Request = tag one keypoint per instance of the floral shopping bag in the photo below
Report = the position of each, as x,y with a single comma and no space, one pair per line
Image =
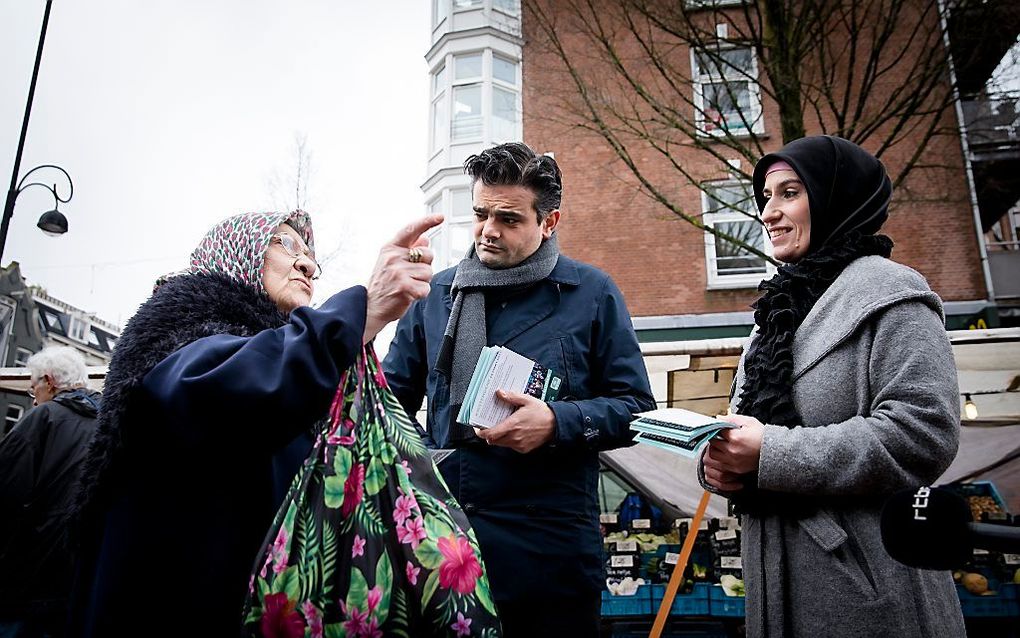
369,541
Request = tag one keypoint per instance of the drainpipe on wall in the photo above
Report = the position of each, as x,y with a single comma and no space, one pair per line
965,146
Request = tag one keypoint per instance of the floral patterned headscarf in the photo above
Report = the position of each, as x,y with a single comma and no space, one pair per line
237,246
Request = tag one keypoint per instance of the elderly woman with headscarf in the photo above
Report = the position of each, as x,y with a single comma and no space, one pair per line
846,393
218,372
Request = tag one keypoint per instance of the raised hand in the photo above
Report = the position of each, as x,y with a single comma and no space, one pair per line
402,274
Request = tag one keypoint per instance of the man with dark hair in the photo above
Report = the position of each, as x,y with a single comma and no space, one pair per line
529,483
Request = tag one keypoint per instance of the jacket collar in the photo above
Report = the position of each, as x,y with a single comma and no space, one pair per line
865,288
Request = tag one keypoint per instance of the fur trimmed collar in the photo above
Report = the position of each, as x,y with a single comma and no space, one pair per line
184,309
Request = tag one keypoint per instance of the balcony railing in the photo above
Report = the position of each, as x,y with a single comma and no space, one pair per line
993,123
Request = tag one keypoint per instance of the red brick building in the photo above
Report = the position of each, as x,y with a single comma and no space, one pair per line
680,282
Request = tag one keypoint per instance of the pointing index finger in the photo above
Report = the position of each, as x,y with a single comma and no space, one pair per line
409,235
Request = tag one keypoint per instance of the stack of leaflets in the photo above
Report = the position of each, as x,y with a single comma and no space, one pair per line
500,368
677,430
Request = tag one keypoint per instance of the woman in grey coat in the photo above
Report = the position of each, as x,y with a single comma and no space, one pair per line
846,393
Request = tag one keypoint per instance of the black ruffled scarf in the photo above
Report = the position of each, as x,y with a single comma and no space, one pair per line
789,296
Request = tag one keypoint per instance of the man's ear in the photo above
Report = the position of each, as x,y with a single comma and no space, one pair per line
550,222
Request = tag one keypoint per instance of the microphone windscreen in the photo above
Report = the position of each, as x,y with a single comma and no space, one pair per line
927,528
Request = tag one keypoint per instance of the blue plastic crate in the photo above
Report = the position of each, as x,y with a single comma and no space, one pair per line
722,605
692,604
637,605
1002,605
673,629
978,488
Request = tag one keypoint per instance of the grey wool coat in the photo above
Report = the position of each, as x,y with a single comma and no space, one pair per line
875,385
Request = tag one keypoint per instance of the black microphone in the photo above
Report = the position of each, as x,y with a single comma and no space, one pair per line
932,528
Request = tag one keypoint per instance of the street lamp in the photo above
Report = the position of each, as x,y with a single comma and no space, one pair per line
54,221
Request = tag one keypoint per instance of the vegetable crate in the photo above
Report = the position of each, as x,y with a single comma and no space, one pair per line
672,630
722,605
692,604
978,489
1002,604
640,604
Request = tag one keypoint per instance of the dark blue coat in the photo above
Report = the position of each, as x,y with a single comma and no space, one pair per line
206,433
536,514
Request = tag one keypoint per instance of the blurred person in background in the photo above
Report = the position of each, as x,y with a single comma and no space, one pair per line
40,460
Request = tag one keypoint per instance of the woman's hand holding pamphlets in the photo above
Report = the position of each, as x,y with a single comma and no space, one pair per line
677,430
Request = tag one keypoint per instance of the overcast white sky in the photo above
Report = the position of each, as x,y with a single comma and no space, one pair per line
173,114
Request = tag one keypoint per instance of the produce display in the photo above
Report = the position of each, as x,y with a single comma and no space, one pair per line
641,554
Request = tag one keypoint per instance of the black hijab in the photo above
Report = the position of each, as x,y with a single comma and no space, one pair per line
848,194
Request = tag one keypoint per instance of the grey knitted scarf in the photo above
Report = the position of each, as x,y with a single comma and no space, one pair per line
465,334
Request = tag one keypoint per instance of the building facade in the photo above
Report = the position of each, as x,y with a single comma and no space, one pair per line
31,320
680,283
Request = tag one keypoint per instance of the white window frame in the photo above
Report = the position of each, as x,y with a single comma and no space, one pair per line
78,328
699,79
715,280
440,96
514,88
474,6
440,12
512,13
8,422
21,356
474,80
712,4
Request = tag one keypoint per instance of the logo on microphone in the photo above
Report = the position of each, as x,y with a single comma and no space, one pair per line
921,503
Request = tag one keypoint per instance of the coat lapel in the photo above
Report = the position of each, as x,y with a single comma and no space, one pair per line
860,292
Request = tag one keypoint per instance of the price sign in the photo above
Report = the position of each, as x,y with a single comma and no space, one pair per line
641,523
609,519
626,546
622,561
726,534
671,558
730,562
1011,559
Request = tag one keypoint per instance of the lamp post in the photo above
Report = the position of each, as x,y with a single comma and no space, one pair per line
53,221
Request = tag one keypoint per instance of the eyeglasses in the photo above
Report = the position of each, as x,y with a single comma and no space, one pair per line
297,251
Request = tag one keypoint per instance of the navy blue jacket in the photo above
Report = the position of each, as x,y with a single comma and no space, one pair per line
198,486
536,514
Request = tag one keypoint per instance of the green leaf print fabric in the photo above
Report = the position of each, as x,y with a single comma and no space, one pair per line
369,541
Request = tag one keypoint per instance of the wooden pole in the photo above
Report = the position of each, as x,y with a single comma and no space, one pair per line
678,571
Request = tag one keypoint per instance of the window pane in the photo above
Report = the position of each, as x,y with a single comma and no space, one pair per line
725,63
439,81
467,112
468,66
513,7
736,60
436,206
724,102
733,260
439,120
461,203
504,70
466,4
504,115
460,240
439,11
730,198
